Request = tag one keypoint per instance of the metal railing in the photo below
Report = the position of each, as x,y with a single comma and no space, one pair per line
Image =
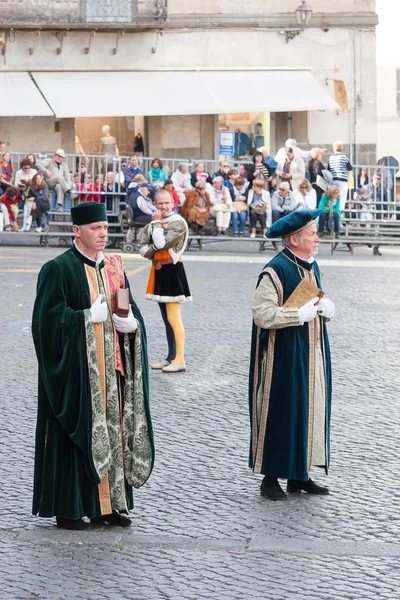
365,202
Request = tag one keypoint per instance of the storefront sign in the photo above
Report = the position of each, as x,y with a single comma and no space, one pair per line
227,143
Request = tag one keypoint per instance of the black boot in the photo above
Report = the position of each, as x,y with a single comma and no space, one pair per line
271,489
113,519
72,524
307,486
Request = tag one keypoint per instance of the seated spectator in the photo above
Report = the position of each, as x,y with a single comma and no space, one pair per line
181,181
132,169
239,206
378,197
84,187
362,177
9,207
259,171
157,174
244,171
169,186
329,206
82,172
268,160
200,174
141,204
110,189
95,190
25,172
259,204
26,201
120,176
41,204
6,172
75,186
221,202
306,196
32,158
57,176
283,201
232,176
222,171
195,209
290,170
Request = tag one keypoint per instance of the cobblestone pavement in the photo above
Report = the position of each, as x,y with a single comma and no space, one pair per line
201,529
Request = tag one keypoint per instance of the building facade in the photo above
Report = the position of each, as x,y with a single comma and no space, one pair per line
176,73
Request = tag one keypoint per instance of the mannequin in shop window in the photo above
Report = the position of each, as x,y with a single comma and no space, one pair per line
108,147
138,145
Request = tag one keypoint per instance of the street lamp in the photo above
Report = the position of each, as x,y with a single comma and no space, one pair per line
303,14
303,18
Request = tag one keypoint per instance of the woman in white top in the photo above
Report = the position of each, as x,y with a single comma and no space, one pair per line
221,202
306,196
26,172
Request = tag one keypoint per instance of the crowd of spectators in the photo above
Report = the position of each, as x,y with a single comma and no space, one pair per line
257,193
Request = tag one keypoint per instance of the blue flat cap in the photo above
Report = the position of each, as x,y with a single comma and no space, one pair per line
292,223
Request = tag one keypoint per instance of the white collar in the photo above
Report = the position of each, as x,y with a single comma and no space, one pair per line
99,255
309,260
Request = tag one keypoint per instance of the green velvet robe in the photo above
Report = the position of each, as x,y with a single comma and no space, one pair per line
67,472
283,380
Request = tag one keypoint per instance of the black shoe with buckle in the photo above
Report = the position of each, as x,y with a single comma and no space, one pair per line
309,486
271,489
114,518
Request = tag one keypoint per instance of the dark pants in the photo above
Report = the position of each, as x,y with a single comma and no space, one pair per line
254,217
42,207
324,221
169,331
278,215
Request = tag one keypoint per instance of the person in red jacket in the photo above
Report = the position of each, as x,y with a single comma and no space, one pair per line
98,186
168,185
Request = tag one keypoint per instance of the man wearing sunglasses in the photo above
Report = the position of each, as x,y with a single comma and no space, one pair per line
223,170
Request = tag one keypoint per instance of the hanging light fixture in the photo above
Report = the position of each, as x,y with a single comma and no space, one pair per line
303,14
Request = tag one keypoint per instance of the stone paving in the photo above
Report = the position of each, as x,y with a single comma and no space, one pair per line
201,529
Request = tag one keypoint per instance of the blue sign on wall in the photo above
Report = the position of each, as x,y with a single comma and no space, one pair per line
227,143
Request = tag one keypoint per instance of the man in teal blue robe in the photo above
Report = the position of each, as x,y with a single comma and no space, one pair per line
290,372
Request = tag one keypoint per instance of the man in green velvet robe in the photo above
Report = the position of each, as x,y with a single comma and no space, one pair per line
290,370
94,436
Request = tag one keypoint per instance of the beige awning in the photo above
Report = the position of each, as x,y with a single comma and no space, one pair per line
98,94
20,97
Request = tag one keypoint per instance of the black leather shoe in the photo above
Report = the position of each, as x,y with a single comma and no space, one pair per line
307,486
113,519
72,524
271,489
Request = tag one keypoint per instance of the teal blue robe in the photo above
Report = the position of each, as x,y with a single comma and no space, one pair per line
281,430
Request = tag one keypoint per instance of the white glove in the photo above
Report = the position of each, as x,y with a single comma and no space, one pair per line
308,311
99,310
125,325
326,308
